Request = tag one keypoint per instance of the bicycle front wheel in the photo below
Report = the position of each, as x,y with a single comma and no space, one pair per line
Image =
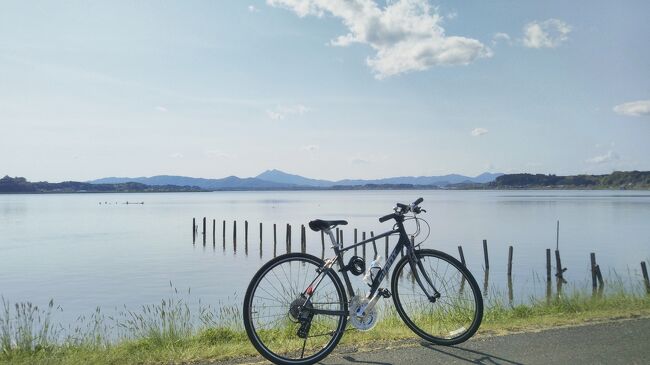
455,316
275,315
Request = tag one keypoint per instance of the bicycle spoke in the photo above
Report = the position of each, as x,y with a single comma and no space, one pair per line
276,324
453,313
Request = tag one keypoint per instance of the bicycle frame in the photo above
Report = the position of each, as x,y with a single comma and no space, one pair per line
339,250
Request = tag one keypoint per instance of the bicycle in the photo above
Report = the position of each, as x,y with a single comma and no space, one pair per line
296,308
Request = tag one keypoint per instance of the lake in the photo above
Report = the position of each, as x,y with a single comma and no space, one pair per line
89,250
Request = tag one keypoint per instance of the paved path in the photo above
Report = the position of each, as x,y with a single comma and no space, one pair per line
620,342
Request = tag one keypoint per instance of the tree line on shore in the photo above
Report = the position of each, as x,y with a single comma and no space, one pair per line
21,185
615,180
639,180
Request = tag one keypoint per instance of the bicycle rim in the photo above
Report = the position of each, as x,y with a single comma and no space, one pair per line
270,315
452,318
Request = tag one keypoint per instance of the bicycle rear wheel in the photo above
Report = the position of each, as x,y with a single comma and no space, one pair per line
274,318
451,319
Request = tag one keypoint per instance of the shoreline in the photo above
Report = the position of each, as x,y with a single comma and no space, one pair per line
418,188
220,344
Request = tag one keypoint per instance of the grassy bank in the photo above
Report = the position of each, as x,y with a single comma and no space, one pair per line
162,333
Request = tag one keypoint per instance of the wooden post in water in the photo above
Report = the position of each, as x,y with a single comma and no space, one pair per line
261,238
224,235
275,240
193,230
462,256
485,255
558,263
599,275
646,280
486,276
246,237
338,236
560,270
510,291
386,248
246,232
234,235
322,240
462,261
355,241
548,265
288,244
374,245
510,261
303,239
204,230
341,238
594,283
363,238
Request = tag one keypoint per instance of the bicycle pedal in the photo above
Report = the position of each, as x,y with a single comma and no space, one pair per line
384,293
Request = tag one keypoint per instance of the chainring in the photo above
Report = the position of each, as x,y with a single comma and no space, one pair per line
362,323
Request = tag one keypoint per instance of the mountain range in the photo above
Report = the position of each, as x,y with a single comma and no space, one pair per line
276,179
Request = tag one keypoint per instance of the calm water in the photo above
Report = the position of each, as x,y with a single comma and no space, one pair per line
86,254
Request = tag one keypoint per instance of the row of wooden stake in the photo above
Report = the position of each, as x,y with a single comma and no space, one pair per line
596,274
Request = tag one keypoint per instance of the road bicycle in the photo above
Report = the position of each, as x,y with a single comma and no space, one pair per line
296,308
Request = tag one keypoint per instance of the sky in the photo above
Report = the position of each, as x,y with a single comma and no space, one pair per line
325,89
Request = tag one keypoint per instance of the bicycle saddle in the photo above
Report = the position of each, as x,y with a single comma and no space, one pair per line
319,224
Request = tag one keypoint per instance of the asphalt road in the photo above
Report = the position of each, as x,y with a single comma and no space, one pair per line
619,342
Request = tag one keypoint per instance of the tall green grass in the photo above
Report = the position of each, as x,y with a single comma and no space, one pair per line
173,331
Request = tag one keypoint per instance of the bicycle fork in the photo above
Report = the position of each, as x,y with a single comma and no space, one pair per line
416,264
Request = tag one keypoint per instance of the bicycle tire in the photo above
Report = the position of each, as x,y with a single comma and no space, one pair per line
275,344
451,319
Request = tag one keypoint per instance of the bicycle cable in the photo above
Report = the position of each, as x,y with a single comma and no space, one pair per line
418,228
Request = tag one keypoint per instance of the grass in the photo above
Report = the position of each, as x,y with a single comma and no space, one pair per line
165,333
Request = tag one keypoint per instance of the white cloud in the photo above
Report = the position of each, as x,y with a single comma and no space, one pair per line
176,155
478,132
406,34
281,112
547,34
253,9
610,156
162,109
634,108
501,37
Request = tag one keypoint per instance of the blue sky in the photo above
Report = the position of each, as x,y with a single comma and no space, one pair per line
326,89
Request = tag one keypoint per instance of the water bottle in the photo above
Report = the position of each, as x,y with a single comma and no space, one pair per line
373,271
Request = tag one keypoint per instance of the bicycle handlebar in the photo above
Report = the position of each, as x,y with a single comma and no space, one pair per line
387,217
403,209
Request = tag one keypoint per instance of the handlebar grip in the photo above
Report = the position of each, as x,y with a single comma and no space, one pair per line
386,217
420,200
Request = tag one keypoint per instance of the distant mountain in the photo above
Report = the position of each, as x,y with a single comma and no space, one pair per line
487,177
441,181
230,182
276,179
281,177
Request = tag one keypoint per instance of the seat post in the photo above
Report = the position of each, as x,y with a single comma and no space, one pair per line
331,235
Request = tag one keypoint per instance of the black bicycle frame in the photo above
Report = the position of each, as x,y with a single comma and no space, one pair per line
403,241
